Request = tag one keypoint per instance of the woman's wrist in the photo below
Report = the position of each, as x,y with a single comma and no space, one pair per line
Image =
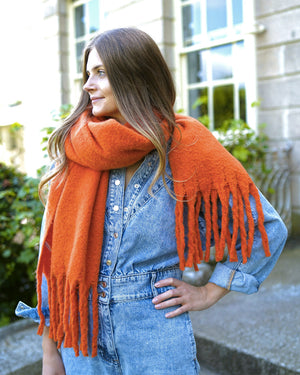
48,345
214,293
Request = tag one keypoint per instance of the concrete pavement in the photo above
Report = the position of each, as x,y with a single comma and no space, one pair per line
257,334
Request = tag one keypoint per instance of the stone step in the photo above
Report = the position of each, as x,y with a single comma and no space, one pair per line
256,334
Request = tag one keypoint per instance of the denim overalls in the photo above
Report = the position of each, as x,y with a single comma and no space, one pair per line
139,248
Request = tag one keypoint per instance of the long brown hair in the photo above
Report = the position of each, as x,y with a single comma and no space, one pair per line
142,86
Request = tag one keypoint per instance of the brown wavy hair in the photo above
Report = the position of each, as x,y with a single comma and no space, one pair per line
143,88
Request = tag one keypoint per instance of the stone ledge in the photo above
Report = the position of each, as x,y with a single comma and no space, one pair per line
232,361
20,349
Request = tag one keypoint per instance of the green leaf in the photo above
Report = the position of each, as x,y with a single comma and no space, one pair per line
6,253
256,103
26,256
241,153
33,242
201,100
15,127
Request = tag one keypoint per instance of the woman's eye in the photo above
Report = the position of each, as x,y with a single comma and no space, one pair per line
101,73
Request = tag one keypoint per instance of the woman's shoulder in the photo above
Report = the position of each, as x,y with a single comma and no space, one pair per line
192,126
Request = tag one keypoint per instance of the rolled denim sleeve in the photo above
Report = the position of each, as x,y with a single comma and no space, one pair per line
247,277
25,311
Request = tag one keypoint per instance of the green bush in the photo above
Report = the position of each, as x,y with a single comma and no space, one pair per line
244,143
20,221
248,146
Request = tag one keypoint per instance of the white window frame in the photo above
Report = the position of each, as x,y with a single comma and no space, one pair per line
247,34
75,77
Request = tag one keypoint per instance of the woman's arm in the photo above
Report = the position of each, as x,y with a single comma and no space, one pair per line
52,362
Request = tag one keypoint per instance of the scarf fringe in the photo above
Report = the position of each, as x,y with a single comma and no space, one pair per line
69,319
243,224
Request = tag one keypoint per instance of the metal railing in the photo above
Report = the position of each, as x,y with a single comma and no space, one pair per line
276,184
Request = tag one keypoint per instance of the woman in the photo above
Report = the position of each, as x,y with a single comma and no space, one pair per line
137,194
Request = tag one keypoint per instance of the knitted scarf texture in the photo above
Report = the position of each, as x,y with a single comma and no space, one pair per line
204,174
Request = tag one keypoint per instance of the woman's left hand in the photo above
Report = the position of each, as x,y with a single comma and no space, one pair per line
191,298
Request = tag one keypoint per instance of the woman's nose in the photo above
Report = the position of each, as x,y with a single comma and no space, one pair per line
88,86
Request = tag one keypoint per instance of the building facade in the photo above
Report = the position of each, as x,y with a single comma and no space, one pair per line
224,55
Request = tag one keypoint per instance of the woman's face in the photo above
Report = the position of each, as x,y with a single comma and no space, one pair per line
99,89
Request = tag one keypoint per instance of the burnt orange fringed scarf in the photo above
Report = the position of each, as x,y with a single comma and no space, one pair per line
203,171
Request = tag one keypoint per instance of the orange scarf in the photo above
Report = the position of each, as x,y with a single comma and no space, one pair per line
203,171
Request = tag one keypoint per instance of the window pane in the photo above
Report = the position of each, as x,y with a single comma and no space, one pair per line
242,99
223,105
237,6
198,104
216,14
94,16
191,19
79,21
240,62
197,66
79,49
221,58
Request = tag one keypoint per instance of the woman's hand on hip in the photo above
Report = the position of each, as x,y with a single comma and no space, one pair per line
191,298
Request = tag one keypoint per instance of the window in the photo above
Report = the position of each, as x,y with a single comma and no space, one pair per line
213,58
85,22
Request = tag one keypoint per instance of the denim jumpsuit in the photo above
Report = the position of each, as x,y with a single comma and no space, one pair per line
139,248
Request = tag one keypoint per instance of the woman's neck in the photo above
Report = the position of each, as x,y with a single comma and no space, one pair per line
130,171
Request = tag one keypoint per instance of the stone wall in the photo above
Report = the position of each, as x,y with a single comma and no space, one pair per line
278,69
56,52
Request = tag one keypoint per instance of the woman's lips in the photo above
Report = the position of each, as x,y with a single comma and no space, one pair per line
94,99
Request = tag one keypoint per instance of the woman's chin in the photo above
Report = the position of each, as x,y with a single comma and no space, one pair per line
97,113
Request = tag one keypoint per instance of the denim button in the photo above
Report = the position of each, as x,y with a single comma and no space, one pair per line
116,208
102,294
116,235
103,284
125,209
117,182
136,186
108,262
